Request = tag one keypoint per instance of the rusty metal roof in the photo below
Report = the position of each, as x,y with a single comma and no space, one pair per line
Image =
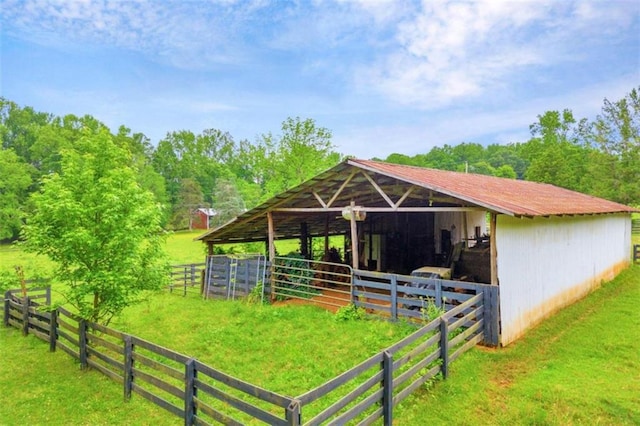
362,181
508,196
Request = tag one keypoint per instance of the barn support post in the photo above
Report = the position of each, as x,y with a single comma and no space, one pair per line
494,249
210,248
355,256
272,252
326,234
304,240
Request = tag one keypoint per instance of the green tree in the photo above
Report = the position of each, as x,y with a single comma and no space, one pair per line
189,200
100,227
555,153
302,151
615,169
227,201
15,179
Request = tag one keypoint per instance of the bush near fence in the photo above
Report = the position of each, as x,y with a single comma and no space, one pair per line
200,394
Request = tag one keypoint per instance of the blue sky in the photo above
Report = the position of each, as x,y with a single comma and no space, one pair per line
383,76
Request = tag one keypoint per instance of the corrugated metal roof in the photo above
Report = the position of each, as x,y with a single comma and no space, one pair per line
350,181
508,196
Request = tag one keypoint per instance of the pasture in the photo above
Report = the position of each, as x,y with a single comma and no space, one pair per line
578,367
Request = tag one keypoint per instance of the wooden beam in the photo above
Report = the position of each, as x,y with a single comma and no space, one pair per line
404,197
344,184
379,209
494,249
322,203
377,187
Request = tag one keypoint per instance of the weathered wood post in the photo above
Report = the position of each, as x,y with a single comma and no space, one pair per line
82,343
387,388
48,295
293,413
444,345
190,391
25,315
128,367
394,297
7,306
53,330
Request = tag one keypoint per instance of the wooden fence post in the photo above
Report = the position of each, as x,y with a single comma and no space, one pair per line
48,295
82,343
491,305
387,388
394,297
53,330
439,302
190,392
7,297
444,347
193,274
25,315
293,413
128,367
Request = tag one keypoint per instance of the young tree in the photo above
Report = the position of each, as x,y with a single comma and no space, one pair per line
100,227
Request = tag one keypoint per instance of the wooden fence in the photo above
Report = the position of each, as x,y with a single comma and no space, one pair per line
200,394
635,226
186,277
234,276
395,296
636,253
180,384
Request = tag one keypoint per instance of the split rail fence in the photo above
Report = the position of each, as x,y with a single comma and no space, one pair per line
200,394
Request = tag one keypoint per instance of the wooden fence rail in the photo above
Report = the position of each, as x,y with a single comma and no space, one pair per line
187,277
200,394
183,386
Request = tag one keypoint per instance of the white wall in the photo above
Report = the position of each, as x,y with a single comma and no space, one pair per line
545,264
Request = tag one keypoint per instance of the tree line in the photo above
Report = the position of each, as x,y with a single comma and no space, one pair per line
185,171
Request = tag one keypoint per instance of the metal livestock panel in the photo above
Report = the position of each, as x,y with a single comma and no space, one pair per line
546,263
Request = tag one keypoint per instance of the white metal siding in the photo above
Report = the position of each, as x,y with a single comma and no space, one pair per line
545,264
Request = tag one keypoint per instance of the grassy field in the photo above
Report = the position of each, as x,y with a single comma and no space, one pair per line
579,367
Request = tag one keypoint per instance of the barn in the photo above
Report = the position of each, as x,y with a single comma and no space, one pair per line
543,246
202,218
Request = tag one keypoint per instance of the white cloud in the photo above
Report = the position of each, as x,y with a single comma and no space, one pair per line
451,51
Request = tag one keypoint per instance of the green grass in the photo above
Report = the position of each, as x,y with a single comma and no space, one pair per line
579,367
43,388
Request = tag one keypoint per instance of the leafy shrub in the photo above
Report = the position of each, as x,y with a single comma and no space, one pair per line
350,312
